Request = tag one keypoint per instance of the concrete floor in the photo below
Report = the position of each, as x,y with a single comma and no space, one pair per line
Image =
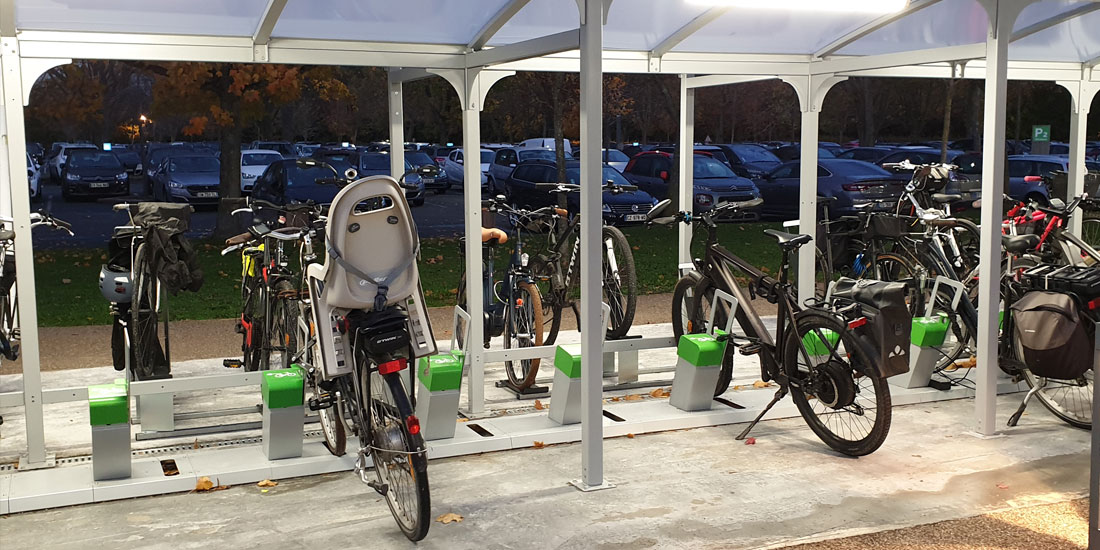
683,489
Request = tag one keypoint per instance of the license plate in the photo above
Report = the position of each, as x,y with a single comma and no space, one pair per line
207,195
634,218
97,184
429,180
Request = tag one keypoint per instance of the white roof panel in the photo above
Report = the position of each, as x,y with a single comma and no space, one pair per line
1076,40
202,17
771,32
414,21
948,23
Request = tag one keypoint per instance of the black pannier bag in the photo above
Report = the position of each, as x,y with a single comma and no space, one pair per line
1053,336
888,319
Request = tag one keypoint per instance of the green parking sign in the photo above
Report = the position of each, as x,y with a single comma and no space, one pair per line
1040,133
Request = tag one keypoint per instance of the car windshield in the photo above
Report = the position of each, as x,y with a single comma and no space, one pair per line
609,174
825,153
193,164
97,159
969,164
259,159
708,168
615,155
536,154
486,157
418,159
297,176
375,162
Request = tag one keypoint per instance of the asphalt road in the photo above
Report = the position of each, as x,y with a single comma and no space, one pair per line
93,220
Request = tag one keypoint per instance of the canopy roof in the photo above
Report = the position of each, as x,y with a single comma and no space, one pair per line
1058,30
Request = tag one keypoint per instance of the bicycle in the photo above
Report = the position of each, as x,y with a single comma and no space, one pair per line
558,269
359,341
846,380
513,306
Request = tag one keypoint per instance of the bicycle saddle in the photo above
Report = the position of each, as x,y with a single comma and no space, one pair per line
493,236
944,198
238,239
788,241
1018,244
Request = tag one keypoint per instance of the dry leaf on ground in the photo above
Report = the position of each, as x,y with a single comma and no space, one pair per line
738,388
267,483
196,444
750,441
616,399
538,444
630,436
538,405
760,384
1002,486
659,392
449,517
633,397
204,485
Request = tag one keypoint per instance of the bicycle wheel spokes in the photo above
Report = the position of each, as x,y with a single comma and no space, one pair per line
523,329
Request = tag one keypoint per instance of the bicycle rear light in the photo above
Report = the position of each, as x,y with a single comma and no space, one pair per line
856,323
390,367
413,424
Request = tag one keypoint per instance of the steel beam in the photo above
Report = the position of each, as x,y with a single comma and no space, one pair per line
274,9
536,47
696,82
873,26
900,59
471,190
685,164
502,17
397,127
687,30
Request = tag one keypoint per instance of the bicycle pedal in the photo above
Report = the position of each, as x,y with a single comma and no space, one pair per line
381,488
323,402
749,349
232,363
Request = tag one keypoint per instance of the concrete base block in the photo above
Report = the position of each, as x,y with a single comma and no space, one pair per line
922,361
608,364
628,366
565,399
111,452
693,387
437,411
156,412
283,432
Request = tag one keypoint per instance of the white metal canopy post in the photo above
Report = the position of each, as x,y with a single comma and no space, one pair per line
1002,16
471,190
397,127
686,165
16,179
1082,93
591,321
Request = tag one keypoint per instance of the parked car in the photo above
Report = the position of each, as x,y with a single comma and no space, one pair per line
253,163
59,153
615,159
793,151
866,154
284,148
749,160
129,158
37,153
33,178
93,173
505,160
851,182
304,149
544,143
453,167
285,182
190,178
438,183
378,164
922,155
618,208
714,182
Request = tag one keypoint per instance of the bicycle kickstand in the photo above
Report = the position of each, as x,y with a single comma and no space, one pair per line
779,394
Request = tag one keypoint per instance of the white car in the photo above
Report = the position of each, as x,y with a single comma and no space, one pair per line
59,153
453,167
253,164
33,176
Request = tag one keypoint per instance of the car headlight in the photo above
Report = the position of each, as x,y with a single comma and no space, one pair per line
703,200
72,177
122,177
174,184
606,207
137,166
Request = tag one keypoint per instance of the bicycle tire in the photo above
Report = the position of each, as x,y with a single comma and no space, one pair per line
703,297
522,373
395,450
460,327
682,304
821,275
553,301
253,294
147,344
282,333
836,384
332,425
620,286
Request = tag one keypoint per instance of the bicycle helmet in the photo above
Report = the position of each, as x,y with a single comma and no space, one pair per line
115,284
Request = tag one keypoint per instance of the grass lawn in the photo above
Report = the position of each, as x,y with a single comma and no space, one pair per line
68,280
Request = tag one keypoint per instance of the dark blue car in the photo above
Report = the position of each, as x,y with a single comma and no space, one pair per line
618,208
285,182
852,182
714,182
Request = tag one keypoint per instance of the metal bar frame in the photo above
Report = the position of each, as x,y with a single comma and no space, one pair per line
685,164
873,26
501,18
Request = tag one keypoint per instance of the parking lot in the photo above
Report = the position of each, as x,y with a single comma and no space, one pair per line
93,220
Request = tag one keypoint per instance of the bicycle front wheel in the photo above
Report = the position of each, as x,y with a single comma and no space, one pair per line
397,452
282,337
523,329
620,282
683,305
836,385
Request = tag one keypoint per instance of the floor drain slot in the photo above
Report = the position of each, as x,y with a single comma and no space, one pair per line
479,430
614,417
728,403
168,466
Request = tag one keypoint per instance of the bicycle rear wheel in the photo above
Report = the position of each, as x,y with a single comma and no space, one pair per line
620,282
683,305
149,341
253,295
523,329
397,451
1069,400
282,334
332,423
702,304
839,393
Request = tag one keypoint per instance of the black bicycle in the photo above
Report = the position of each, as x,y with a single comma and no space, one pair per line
840,389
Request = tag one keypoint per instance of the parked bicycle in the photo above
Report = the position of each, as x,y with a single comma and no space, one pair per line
558,269
513,306
840,389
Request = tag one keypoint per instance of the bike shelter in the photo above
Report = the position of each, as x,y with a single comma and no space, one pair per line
473,47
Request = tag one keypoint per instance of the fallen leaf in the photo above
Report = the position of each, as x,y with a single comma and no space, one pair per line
616,399
449,517
738,388
463,419
538,405
659,393
539,444
66,281
636,247
267,483
760,384
750,441
630,436
204,484
633,397
263,490
1002,486
196,444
